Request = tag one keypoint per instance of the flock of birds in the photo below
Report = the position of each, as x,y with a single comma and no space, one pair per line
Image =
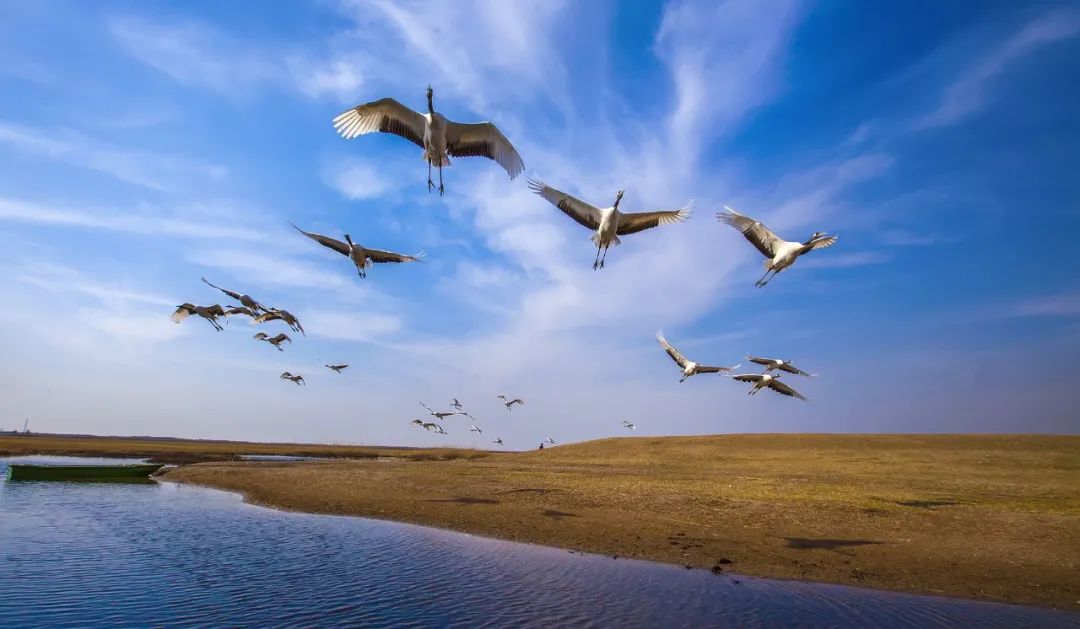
440,139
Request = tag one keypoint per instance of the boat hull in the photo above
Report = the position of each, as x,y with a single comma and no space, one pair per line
85,473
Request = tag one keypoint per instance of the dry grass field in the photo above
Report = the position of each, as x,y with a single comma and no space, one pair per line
992,517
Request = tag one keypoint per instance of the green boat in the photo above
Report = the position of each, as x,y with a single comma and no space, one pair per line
84,473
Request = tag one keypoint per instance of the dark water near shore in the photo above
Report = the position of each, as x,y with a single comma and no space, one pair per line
85,555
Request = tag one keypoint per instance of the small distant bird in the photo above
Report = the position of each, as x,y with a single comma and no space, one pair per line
429,426
456,404
689,367
298,379
362,257
509,403
337,368
776,363
440,415
476,429
276,341
629,425
608,223
210,313
762,380
498,442
276,314
240,310
438,137
246,300
549,440
780,254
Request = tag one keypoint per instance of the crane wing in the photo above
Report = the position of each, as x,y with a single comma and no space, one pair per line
822,243
758,235
586,215
640,221
671,351
706,369
483,139
385,115
228,292
326,241
747,377
795,370
784,389
183,311
267,316
377,255
759,360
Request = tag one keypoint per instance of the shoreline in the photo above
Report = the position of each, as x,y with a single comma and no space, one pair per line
247,501
1020,549
978,517
723,566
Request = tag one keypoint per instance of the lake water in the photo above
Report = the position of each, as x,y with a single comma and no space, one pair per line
93,555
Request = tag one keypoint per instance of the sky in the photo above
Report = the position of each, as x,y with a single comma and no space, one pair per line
144,145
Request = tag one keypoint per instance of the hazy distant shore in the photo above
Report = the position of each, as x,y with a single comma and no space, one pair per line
990,517
179,451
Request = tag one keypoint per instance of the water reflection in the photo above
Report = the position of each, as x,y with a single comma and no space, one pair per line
168,555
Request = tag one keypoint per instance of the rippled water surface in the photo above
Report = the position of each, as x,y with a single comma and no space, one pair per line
85,555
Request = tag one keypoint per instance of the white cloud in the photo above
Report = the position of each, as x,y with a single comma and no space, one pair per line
57,278
272,268
725,59
907,238
357,179
337,78
87,314
968,93
837,260
350,326
1062,304
468,50
148,222
196,54
484,275
144,168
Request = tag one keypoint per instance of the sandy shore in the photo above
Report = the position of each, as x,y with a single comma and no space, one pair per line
988,517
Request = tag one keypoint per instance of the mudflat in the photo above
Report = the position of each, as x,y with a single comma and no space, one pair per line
167,450
989,517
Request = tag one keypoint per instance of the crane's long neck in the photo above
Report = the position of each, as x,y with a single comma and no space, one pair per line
430,104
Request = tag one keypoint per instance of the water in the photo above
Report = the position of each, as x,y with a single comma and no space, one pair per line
84,555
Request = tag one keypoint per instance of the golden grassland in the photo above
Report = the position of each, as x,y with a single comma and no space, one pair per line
992,517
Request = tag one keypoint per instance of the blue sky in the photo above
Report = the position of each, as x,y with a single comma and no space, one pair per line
145,144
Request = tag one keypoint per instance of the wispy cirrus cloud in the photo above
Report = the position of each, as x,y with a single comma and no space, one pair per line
62,279
350,325
838,260
151,169
271,268
196,54
725,60
1061,304
108,313
969,92
493,43
136,221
